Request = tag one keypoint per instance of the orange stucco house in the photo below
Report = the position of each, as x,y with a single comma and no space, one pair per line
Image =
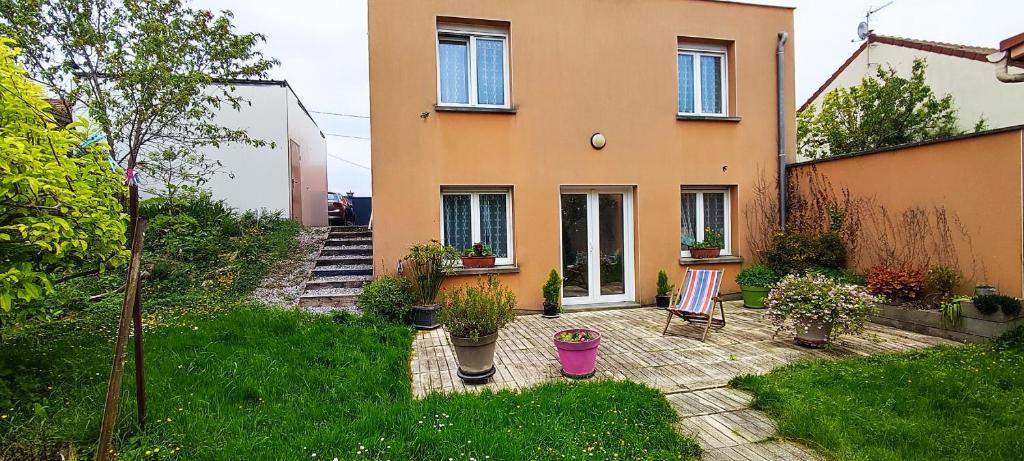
597,138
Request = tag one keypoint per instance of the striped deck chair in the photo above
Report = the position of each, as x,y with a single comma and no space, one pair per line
696,298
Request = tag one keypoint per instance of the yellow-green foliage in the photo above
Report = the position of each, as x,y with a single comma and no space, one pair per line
59,208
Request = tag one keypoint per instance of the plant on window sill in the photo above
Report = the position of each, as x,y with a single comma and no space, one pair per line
710,247
478,256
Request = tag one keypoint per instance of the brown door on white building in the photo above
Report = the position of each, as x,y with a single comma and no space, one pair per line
295,173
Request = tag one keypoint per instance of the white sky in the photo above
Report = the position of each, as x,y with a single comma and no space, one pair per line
323,52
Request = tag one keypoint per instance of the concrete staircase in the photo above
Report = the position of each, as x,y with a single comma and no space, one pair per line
344,265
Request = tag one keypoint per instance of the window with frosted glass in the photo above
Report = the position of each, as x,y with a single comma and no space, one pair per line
701,86
472,68
701,210
478,216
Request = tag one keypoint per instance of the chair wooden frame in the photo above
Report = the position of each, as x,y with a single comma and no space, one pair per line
708,320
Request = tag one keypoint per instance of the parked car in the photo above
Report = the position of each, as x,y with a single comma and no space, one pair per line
339,210
333,201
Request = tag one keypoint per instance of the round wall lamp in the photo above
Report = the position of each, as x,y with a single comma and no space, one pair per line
597,141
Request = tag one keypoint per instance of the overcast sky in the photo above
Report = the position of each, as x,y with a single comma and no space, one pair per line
322,49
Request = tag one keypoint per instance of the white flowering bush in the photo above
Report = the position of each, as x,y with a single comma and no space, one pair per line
813,298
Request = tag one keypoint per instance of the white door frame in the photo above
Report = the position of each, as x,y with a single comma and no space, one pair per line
594,241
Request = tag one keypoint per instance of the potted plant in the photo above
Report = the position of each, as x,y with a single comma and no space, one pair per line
473,316
710,247
428,264
821,309
755,282
577,351
478,256
664,290
552,295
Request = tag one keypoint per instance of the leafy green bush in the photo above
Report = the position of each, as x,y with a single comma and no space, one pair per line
796,253
387,297
990,304
941,281
756,276
840,275
475,311
664,288
830,251
553,289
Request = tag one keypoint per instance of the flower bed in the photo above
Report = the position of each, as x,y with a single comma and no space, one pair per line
973,326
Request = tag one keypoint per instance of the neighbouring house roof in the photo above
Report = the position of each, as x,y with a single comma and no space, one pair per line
974,53
1011,42
284,83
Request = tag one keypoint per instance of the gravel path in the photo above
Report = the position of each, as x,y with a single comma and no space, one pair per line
288,277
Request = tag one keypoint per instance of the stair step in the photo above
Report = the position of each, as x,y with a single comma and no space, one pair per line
339,281
334,260
363,250
349,234
334,297
343,269
361,242
348,228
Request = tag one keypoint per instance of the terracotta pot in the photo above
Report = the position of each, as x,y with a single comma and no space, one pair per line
578,359
425,317
661,301
705,253
551,310
476,262
475,356
812,333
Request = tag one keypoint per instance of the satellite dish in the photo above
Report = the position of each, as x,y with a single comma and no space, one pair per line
863,31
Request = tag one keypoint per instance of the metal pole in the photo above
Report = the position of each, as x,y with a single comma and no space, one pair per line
780,84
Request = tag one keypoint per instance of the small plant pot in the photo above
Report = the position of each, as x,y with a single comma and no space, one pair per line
661,301
476,358
812,333
477,262
578,360
425,317
753,297
705,253
551,311
982,290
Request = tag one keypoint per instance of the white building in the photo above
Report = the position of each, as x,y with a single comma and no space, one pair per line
959,70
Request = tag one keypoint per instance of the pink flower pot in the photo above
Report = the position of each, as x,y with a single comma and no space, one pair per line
578,359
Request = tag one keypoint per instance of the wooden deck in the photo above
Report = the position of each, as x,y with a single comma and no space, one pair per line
692,374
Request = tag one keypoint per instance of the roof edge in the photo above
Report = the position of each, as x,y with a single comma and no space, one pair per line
268,82
958,137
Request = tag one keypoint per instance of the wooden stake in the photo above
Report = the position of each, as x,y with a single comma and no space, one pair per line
140,372
104,451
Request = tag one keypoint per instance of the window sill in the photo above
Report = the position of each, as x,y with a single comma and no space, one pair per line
707,118
684,261
490,110
487,270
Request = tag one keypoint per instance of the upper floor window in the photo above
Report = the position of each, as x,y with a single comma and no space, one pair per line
478,215
702,80
472,66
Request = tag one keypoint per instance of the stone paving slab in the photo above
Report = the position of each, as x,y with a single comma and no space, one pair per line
692,374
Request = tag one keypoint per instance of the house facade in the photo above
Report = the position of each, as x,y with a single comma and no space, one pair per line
598,139
959,70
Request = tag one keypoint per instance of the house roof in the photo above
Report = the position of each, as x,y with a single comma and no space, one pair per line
283,83
974,53
1011,42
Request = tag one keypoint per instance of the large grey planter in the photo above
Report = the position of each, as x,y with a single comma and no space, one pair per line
476,358
972,327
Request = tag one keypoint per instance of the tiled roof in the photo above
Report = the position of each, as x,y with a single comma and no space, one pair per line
976,53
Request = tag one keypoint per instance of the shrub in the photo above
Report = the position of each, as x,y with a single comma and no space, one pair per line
386,297
830,251
475,311
553,289
841,275
664,288
756,276
816,298
941,281
429,263
898,283
790,253
990,304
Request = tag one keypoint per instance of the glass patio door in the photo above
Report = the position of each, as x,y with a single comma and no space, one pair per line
597,246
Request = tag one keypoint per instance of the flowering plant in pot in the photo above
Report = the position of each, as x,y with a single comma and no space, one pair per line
478,255
473,316
577,351
820,308
755,282
710,247
428,264
552,295
664,289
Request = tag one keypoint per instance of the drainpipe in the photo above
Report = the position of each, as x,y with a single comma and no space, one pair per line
779,74
1003,68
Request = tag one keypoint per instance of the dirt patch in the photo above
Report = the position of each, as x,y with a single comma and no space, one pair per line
288,276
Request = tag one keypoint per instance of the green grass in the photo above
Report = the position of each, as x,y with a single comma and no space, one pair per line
964,402
257,383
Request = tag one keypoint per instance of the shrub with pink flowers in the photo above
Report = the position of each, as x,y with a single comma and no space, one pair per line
799,300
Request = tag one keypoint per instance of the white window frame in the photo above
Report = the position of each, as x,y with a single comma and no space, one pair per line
474,213
704,50
470,35
699,210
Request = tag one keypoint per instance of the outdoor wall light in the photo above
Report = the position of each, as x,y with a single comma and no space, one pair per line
597,141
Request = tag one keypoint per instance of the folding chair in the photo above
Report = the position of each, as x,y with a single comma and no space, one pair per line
696,298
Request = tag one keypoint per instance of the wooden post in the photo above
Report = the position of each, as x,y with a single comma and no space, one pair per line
140,372
110,406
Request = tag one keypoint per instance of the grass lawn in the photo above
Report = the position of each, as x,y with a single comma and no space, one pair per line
964,402
257,383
